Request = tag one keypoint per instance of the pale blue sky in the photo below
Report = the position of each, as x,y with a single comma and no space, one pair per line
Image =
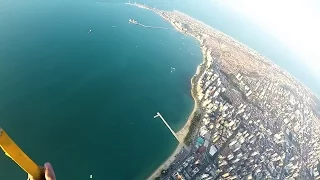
294,22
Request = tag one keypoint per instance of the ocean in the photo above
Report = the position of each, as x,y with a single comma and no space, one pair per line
85,101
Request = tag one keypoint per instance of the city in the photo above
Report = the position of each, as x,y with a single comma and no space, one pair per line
253,120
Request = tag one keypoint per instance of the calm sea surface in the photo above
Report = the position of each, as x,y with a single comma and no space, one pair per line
85,102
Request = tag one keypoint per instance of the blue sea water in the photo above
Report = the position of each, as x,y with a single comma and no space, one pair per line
85,102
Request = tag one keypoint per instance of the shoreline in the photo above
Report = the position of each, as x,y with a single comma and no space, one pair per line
167,163
227,56
255,53
182,133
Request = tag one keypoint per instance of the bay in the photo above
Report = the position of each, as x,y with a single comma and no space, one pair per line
85,102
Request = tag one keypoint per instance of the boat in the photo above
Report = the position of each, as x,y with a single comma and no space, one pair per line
90,31
133,21
172,69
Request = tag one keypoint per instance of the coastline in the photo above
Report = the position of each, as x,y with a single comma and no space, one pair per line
225,56
260,57
167,163
182,133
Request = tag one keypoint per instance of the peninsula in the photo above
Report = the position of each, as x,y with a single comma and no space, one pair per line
252,120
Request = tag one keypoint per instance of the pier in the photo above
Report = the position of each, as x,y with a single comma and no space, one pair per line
138,5
132,21
165,122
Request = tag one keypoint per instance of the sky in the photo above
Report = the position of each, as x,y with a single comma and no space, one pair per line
296,23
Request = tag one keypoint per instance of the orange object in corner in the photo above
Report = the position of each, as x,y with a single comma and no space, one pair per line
17,155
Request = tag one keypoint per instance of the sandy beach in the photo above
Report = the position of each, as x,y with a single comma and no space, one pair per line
182,133
167,163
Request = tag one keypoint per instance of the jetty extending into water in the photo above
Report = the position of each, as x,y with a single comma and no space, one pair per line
138,5
165,122
132,21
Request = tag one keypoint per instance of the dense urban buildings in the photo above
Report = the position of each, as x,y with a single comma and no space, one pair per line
254,120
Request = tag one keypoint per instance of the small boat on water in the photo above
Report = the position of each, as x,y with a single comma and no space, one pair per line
90,31
172,69
133,21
